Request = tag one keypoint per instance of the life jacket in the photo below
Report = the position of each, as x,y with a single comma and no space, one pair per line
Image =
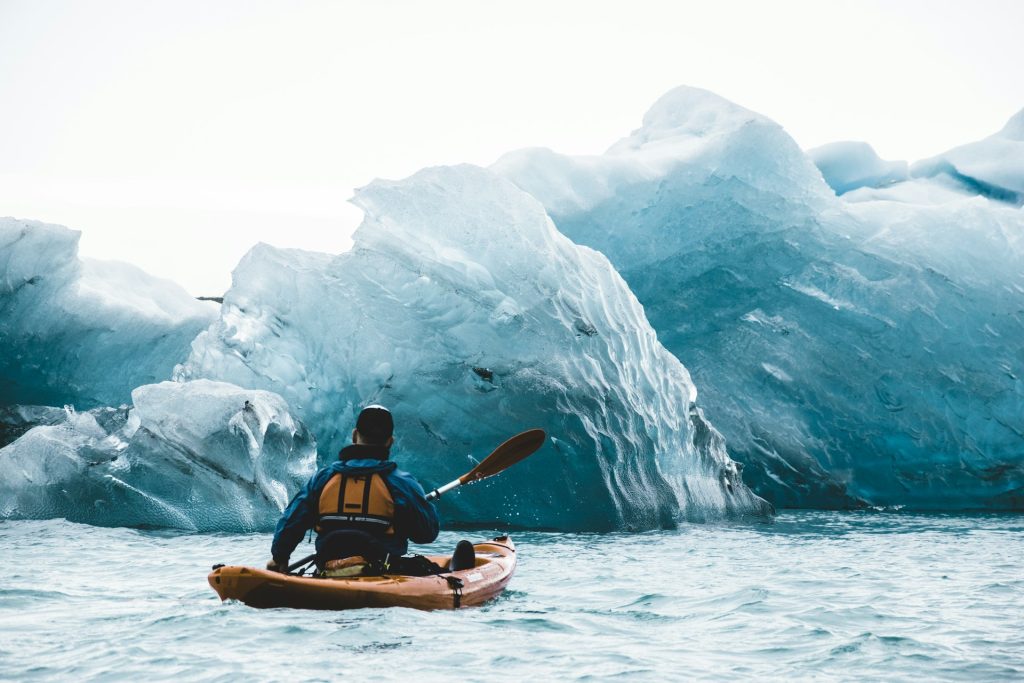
357,501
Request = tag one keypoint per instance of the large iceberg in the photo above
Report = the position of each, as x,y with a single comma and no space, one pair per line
851,353
463,309
80,331
198,455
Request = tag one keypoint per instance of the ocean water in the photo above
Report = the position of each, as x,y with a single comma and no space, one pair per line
812,595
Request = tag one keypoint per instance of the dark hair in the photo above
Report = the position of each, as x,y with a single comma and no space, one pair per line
375,424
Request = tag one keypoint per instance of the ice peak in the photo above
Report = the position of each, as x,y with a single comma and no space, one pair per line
688,112
696,111
1014,128
402,220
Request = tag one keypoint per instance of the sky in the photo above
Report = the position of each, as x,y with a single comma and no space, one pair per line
177,134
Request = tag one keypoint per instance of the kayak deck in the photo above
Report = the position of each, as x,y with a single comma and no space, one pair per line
495,563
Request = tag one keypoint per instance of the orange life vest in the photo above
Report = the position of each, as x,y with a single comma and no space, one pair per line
357,501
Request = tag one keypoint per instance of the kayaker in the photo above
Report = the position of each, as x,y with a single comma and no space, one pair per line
360,505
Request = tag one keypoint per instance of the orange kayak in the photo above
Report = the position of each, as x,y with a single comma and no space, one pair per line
495,563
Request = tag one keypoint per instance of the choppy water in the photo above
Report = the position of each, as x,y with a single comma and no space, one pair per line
840,596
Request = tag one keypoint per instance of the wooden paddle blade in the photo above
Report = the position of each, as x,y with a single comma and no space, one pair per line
507,454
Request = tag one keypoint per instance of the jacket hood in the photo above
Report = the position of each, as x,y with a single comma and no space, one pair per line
362,466
359,451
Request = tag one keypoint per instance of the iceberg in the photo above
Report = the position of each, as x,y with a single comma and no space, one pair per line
80,331
856,332
852,353
463,309
850,165
201,456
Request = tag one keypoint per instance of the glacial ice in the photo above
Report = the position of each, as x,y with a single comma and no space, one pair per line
199,455
462,309
849,165
851,352
855,350
84,332
993,167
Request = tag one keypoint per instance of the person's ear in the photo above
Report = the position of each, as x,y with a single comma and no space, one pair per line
355,436
391,440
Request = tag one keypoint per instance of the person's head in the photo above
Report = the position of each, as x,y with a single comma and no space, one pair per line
375,427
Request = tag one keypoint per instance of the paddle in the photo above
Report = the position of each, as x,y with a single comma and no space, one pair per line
504,456
519,447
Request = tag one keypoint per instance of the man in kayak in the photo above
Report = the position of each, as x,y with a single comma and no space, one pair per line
360,505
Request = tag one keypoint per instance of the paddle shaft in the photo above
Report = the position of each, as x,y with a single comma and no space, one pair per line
306,560
441,490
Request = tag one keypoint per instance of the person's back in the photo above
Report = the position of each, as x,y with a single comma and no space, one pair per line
360,505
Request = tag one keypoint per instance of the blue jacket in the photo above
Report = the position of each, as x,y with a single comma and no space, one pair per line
415,518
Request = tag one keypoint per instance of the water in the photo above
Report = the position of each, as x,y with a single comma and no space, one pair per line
829,596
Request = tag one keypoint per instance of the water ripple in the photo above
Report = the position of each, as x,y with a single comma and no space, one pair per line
815,595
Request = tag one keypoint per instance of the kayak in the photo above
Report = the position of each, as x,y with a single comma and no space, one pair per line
495,563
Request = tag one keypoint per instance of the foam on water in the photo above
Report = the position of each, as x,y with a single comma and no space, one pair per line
825,595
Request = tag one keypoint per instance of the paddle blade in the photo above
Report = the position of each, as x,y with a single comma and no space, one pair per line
507,454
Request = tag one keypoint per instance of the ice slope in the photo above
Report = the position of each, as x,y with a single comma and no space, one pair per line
850,353
199,455
849,165
462,309
84,332
701,170
993,167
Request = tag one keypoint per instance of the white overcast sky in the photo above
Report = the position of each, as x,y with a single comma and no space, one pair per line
176,134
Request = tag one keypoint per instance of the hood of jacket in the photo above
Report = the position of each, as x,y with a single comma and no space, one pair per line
362,459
